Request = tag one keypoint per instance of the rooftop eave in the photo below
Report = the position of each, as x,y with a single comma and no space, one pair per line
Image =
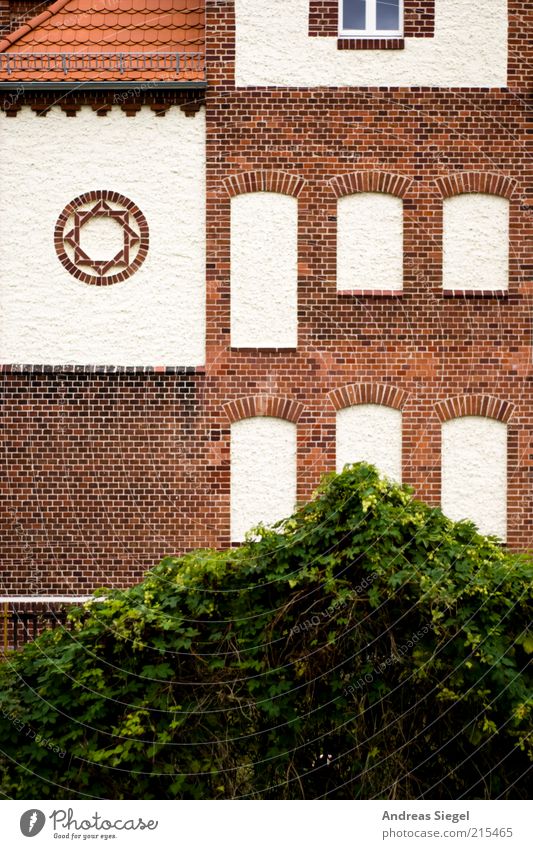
103,85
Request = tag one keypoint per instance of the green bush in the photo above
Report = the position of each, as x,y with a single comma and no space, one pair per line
367,647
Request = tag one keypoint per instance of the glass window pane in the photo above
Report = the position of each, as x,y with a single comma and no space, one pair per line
388,14
354,14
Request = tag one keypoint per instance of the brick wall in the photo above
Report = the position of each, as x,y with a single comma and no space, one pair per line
104,474
420,343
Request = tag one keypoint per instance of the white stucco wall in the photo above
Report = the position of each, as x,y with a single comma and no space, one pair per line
475,242
264,270
101,237
469,49
157,316
263,473
369,241
474,472
370,433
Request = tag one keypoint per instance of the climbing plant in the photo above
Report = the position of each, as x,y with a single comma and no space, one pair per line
366,647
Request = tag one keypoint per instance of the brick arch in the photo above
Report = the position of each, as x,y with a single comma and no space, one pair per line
263,405
368,393
482,182
280,182
370,181
487,406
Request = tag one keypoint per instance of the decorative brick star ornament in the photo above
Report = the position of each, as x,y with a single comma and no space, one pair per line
91,206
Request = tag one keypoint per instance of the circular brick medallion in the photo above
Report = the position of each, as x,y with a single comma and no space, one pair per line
126,251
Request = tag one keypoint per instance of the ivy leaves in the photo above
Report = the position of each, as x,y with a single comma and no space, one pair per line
338,649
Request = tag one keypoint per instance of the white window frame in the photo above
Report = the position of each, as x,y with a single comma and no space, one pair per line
370,30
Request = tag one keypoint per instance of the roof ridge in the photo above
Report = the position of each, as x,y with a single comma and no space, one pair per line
33,23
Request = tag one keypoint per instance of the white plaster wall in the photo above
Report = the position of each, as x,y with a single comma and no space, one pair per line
369,241
263,473
474,472
469,49
371,433
157,316
475,242
264,270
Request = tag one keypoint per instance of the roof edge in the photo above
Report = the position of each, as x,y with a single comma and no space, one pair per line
8,40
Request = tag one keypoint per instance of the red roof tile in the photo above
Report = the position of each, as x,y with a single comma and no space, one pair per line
77,40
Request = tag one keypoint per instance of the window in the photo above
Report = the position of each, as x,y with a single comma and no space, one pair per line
475,242
371,17
263,472
474,472
370,242
371,433
264,271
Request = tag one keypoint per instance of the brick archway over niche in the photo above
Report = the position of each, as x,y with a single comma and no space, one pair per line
280,182
368,393
487,406
263,405
467,182
370,181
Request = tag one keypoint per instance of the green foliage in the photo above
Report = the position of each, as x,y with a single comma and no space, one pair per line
367,647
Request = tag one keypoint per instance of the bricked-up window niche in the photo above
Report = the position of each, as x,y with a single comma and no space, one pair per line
371,433
475,250
474,472
264,270
370,243
369,18
263,472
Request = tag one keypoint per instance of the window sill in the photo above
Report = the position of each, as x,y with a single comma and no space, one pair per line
475,293
356,43
371,293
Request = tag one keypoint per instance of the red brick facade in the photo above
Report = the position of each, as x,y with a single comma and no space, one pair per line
106,473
